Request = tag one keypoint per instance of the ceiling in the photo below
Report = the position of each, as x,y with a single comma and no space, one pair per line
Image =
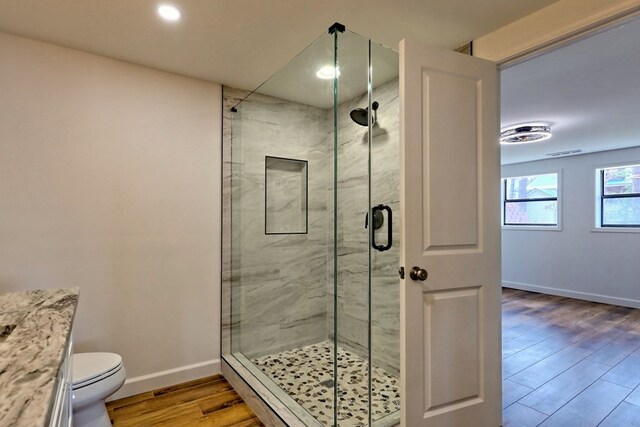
589,91
242,42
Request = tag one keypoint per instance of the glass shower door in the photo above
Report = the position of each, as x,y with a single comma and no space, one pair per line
366,287
385,255
351,283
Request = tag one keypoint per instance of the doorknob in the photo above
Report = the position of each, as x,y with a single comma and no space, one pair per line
417,273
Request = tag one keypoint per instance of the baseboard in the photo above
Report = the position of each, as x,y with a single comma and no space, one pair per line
604,299
141,384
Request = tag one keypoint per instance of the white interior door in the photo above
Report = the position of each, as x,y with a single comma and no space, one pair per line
450,322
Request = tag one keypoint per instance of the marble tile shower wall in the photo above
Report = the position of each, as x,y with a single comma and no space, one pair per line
352,309
283,284
279,281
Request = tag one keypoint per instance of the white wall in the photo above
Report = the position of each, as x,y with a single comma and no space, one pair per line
110,181
576,261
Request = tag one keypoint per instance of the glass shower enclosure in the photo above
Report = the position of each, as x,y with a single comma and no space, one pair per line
310,235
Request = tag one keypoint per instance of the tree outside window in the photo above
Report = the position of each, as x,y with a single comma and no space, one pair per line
531,200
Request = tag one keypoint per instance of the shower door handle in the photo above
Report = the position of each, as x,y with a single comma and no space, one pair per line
386,247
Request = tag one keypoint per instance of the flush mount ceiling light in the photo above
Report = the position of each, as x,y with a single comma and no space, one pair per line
169,12
328,72
525,133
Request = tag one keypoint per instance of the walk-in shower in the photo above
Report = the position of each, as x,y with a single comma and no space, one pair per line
310,285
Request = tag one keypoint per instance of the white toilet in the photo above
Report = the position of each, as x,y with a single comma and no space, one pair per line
96,376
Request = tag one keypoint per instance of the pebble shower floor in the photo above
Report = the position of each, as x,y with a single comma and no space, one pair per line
306,374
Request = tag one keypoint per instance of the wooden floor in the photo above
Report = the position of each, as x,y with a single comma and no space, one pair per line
568,362
206,402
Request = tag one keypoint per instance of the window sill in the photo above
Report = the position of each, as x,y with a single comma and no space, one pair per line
615,230
532,228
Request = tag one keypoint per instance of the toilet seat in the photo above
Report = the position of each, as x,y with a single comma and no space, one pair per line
95,376
90,368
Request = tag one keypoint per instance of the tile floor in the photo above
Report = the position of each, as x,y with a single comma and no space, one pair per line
312,384
568,362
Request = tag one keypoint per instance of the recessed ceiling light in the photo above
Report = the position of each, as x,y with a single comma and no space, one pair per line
525,133
169,12
328,72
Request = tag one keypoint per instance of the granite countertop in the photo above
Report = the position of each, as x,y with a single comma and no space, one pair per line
35,327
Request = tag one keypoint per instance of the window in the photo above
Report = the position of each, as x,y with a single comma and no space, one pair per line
531,200
619,196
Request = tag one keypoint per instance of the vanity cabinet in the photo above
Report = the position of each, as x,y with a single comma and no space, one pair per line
62,413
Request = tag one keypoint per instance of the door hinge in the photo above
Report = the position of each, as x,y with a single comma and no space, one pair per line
401,272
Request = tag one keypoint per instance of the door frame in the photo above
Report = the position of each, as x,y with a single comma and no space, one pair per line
565,22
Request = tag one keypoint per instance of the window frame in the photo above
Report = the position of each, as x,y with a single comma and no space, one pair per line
601,196
532,226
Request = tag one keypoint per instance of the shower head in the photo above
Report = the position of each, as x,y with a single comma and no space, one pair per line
359,115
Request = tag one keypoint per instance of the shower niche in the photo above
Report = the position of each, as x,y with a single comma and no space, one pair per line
311,308
285,196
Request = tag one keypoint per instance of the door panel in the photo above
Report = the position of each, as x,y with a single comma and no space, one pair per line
451,313
450,323
450,196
